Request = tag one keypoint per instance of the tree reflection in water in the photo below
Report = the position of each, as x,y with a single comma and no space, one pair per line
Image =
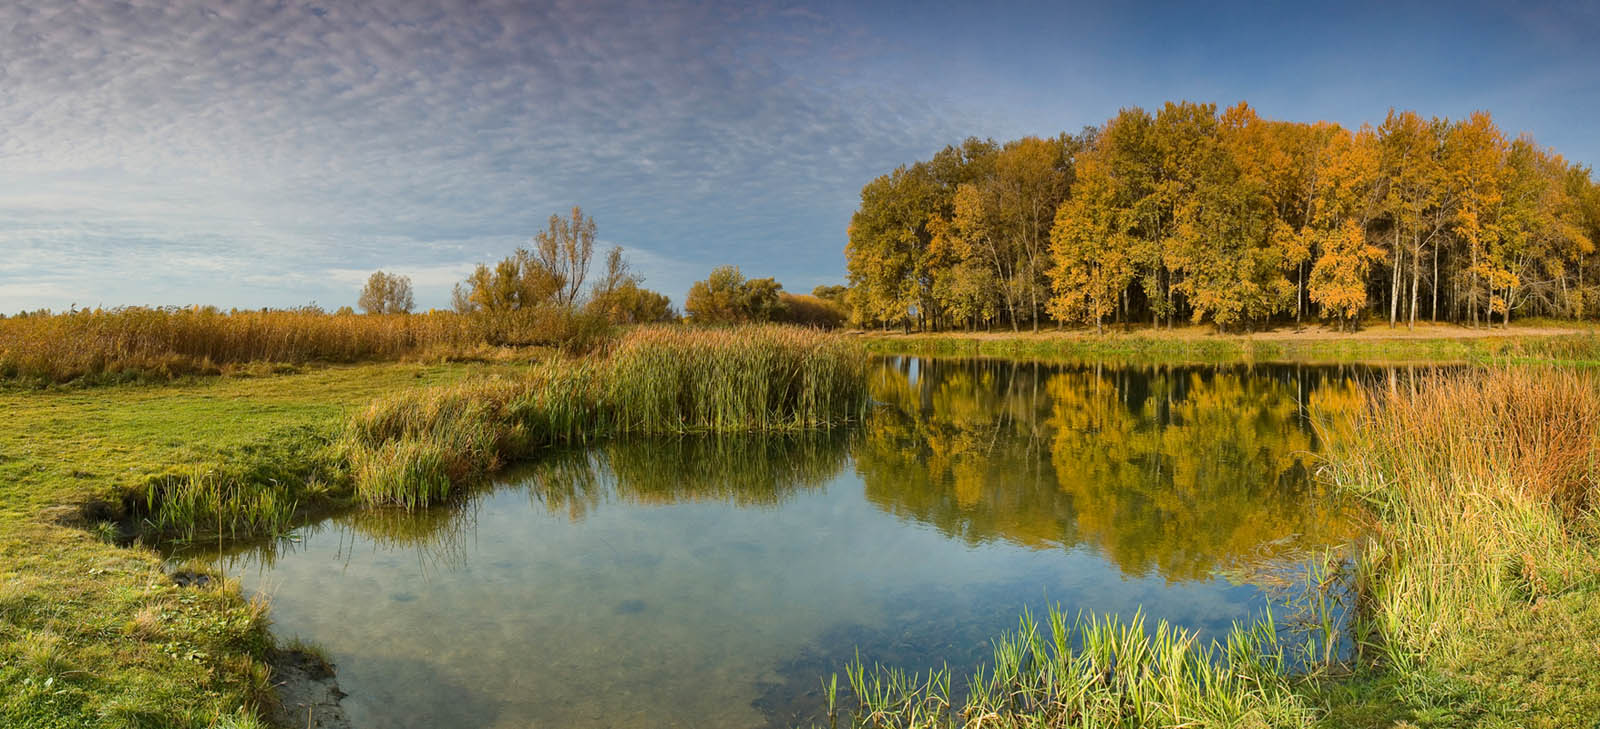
1177,471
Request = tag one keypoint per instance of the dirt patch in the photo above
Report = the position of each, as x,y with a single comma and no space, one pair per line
308,692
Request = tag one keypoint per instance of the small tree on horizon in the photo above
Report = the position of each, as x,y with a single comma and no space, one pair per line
726,297
386,293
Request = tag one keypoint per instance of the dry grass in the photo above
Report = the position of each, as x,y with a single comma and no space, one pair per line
1483,486
160,343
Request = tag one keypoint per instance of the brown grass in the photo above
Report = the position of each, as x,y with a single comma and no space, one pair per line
160,343
1540,427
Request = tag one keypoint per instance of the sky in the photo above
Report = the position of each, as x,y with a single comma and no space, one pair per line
273,153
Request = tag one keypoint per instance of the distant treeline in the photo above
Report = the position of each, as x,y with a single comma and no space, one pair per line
539,296
1229,219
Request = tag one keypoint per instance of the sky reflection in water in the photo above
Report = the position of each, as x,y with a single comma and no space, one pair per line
712,582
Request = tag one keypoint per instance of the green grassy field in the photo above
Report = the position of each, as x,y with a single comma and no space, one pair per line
95,635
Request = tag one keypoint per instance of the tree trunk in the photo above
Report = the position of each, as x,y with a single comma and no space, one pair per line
1416,278
1299,289
1472,294
1434,308
1394,282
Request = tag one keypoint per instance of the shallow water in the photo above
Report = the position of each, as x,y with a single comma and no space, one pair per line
713,582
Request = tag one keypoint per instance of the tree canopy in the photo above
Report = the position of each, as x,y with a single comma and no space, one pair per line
1228,218
386,293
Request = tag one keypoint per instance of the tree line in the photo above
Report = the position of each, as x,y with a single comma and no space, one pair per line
548,279
1232,219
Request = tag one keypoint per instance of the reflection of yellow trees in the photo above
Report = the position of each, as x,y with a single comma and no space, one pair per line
1180,471
963,448
1203,469
743,470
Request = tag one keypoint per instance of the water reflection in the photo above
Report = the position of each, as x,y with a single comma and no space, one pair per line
741,469
711,581
1173,471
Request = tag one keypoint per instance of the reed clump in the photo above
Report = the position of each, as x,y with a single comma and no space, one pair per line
134,343
1483,488
1092,672
750,378
413,447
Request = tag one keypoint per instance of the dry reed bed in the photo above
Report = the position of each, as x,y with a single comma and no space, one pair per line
137,342
1483,489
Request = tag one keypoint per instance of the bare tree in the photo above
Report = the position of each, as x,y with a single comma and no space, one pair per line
564,249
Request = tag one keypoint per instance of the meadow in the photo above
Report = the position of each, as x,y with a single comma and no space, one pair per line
1531,341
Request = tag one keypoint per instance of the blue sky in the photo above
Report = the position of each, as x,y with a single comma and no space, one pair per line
259,153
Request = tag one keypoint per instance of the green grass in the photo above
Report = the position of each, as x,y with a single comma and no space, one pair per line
95,635
1480,583
1094,672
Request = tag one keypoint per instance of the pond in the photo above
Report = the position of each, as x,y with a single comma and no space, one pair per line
713,582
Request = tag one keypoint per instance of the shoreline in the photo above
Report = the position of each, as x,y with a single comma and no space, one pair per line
1436,344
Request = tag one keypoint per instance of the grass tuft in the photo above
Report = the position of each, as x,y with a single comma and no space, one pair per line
412,448
1096,671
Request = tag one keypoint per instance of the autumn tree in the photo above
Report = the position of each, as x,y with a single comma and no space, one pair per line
563,249
1475,151
520,281
888,237
1090,245
618,296
1341,211
386,293
726,297
1231,219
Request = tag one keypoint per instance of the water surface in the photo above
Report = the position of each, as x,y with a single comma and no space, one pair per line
711,582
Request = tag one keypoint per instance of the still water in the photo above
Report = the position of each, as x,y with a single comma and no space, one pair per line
712,582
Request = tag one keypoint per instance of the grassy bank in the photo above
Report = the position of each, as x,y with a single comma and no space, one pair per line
1476,591
95,635
1432,344
1480,584
416,447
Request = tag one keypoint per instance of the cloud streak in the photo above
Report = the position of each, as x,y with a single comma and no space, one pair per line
297,137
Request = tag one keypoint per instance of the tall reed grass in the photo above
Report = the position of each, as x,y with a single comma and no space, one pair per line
156,343
1483,488
413,448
